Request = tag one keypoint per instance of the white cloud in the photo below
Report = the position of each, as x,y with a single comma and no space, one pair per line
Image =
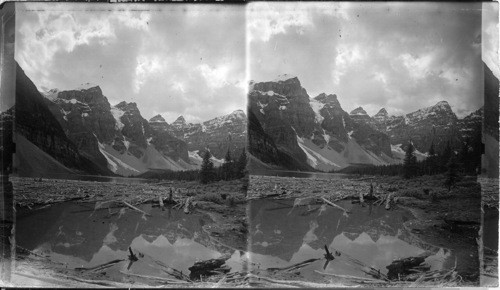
214,77
418,67
146,67
60,29
490,35
268,19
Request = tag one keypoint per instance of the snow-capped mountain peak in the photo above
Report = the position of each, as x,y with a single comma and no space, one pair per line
358,111
50,94
284,77
327,99
157,119
238,114
86,86
442,105
180,122
382,115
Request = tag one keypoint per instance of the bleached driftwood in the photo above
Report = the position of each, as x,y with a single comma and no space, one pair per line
135,208
334,205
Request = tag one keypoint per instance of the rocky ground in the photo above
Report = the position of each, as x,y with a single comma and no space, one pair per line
224,202
442,218
449,219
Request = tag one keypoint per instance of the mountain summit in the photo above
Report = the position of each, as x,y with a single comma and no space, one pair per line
317,132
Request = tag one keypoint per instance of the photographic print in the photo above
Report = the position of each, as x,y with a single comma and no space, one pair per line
265,144
130,132
365,141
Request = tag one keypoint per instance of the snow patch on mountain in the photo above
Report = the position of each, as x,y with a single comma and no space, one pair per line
86,86
326,137
314,158
397,149
283,77
51,94
317,106
127,164
126,143
399,153
115,164
262,106
223,120
194,155
117,114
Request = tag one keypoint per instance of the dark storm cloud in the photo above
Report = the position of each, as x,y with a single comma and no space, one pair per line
401,56
170,59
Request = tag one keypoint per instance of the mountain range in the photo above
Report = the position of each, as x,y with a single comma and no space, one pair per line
289,129
81,132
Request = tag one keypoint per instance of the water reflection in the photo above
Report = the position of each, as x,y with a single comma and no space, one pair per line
79,235
299,174
99,178
283,235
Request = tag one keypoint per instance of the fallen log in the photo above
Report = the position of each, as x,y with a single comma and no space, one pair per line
289,283
207,268
94,282
403,266
100,267
294,266
160,199
135,208
352,277
186,205
388,202
334,205
161,279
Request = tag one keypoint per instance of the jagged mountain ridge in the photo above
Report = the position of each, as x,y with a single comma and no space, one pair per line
35,122
317,131
331,138
219,134
121,139
115,136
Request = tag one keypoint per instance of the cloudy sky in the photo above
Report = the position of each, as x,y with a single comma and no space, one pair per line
169,59
401,56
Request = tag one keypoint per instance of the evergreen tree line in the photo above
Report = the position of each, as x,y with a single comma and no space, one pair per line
464,161
229,170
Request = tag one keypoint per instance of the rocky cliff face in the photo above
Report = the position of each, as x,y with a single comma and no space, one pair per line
491,103
436,124
84,116
317,132
220,134
320,133
117,137
34,121
262,147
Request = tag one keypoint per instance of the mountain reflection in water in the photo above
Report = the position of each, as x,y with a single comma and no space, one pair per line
282,235
76,235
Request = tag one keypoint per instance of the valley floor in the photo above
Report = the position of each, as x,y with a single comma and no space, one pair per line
223,203
440,219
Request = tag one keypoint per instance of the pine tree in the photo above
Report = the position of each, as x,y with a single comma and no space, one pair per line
452,172
410,162
445,156
207,171
432,152
227,167
430,161
242,164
